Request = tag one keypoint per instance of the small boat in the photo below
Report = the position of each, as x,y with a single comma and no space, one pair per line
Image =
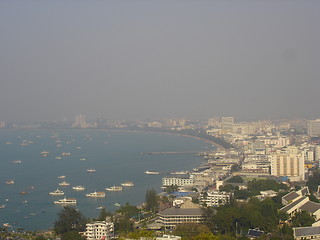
65,154
101,207
2,206
114,189
78,188
151,172
57,192
58,157
91,170
66,201
23,192
96,194
127,184
64,183
10,182
6,225
117,204
62,177
82,159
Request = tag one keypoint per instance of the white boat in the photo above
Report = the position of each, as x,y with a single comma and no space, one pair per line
114,189
17,161
117,204
65,154
82,159
96,194
100,207
57,192
2,206
61,177
91,170
64,183
78,188
127,184
151,172
58,157
66,201
10,182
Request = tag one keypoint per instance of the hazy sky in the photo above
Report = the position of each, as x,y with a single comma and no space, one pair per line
148,59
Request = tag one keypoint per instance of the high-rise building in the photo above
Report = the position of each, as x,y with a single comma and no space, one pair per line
227,123
288,163
313,127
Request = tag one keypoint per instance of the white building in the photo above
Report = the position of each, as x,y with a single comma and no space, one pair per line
288,162
216,198
178,181
314,128
99,230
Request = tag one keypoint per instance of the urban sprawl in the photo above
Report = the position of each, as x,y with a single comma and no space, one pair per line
261,182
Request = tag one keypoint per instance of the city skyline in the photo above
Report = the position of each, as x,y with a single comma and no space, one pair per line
159,59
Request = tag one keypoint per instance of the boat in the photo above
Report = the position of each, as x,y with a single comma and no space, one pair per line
100,207
58,157
96,194
2,206
23,192
65,154
57,192
127,184
61,176
91,170
17,161
117,204
114,189
78,188
10,182
82,159
64,183
66,201
151,172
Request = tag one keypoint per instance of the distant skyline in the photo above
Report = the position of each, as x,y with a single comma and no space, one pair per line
139,59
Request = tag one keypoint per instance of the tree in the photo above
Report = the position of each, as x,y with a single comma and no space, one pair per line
236,179
302,219
70,219
152,200
171,189
189,230
103,215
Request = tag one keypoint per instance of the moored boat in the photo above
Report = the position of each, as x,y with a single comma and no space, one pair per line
96,194
64,183
66,201
151,172
91,170
57,192
114,189
127,184
10,182
78,188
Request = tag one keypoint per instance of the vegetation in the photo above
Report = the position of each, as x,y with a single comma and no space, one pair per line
69,220
193,231
235,179
171,189
314,181
152,203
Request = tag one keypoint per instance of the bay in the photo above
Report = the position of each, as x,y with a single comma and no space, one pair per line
117,156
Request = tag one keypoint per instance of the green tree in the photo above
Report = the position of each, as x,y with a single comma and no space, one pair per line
69,219
137,234
302,219
171,189
235,179
314,181
189,230
103,215
152,203
205,236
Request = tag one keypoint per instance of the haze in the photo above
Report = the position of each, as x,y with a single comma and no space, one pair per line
140,59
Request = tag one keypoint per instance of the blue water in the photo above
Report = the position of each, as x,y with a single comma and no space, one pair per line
115,155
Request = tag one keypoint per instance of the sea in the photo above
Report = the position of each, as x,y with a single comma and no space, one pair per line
117,157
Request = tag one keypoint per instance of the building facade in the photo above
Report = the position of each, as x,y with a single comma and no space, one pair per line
313,127
216,198
178,181
99,230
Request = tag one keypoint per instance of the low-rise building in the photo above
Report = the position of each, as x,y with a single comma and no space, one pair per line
306,233
178,181
216,198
